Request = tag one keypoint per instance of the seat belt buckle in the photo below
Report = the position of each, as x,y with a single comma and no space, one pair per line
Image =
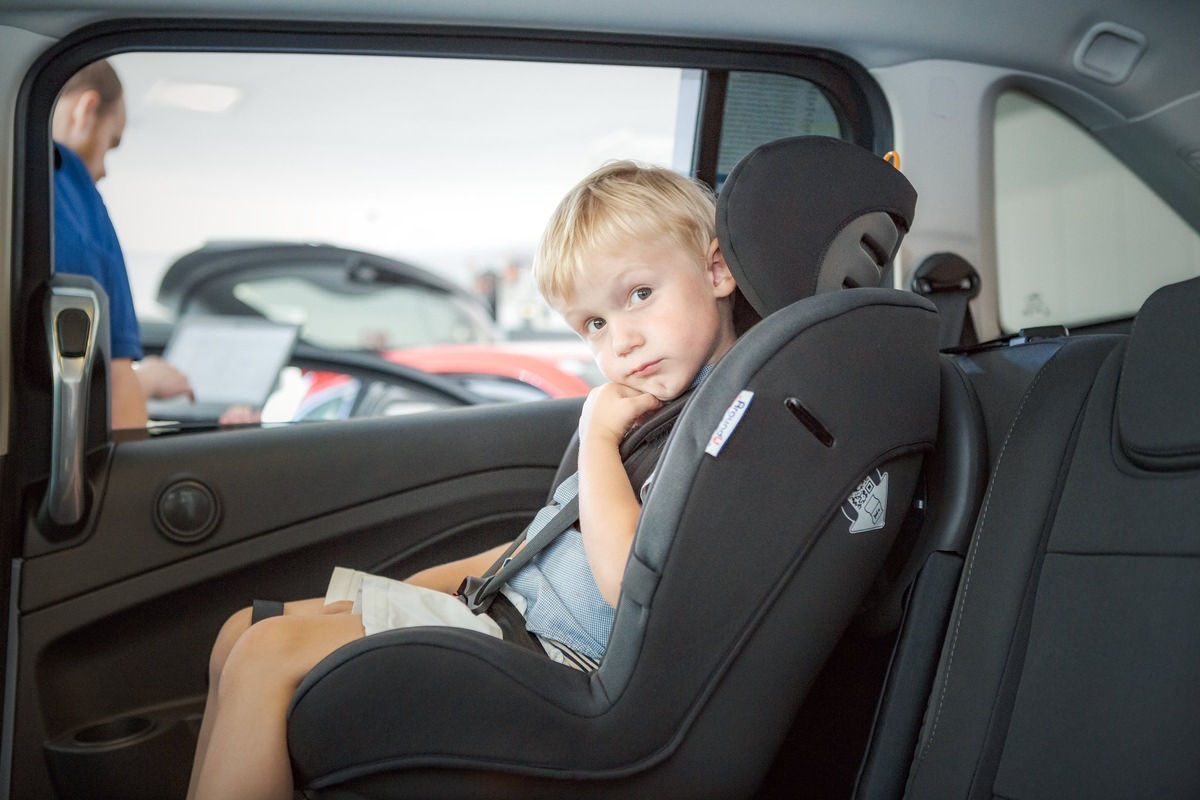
470,591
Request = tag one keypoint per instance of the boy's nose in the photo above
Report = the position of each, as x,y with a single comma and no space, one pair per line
625,339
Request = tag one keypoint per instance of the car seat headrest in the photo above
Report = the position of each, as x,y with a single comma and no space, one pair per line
1160,381
810,214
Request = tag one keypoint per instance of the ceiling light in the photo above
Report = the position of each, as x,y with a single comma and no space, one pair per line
204,97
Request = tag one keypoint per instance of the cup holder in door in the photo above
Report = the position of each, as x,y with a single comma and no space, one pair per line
132,757
113,733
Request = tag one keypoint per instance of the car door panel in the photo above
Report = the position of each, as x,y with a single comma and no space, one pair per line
267,480
115,624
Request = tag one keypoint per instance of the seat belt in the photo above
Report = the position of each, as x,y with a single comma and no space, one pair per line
951,283
479,592
640,451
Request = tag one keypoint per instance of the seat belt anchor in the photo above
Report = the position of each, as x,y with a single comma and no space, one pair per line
470,591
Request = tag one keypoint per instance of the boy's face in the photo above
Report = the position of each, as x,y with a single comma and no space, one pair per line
651,315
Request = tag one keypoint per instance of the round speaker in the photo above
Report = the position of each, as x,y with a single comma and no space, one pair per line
187,511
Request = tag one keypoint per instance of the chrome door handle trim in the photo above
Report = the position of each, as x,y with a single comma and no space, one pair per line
71,376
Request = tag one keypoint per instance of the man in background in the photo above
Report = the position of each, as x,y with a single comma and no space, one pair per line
88,121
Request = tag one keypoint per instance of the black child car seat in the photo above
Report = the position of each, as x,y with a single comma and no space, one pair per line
777,499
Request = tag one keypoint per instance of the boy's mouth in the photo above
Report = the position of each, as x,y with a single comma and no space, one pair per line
649,368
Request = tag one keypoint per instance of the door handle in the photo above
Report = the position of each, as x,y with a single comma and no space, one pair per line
72,330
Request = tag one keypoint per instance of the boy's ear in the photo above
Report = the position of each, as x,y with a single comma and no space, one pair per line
723,280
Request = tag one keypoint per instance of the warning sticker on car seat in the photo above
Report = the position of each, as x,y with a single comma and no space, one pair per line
733,415
867,505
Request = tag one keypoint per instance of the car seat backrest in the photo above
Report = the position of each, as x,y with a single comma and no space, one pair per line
810,214
1069,663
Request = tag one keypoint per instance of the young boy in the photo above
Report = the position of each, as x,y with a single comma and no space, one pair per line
630,260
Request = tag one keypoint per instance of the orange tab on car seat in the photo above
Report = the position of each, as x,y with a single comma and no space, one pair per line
893,158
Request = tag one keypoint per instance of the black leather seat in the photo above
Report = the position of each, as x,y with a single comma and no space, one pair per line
1069,665
746,566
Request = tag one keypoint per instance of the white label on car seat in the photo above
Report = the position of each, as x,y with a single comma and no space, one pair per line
867,505
733,415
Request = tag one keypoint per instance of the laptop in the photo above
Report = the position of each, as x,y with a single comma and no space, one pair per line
229,360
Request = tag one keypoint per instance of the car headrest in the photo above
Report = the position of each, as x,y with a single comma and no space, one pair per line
809,214
1160,381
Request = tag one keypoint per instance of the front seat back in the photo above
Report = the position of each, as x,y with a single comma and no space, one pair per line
776,501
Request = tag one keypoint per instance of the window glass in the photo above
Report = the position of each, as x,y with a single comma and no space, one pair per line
431,178
1080,238
452,165
437,174
382,318
762,107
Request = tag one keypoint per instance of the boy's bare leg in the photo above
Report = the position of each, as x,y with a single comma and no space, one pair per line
231,631
247,753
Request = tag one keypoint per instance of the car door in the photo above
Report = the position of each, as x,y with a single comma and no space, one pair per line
120,580
136,546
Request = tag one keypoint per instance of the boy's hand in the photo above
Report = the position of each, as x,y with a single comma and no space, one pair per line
612,410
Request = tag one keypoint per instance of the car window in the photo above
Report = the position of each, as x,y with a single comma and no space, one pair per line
385,203
762,107
1080,238
378,318
452,165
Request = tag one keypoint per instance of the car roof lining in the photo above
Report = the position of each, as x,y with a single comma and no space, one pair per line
1037,37
1157,102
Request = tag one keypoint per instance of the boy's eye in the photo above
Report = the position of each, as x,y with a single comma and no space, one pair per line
592,325
641,295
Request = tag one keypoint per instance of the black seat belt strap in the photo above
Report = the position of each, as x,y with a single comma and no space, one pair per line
478,592
951,283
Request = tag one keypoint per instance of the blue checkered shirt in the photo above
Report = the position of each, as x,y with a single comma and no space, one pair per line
564,602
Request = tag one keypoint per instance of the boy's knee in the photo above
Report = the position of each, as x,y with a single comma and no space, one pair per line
265,650
233,629
279,651
245,656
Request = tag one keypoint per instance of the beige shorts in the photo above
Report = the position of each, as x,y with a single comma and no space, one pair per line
387,604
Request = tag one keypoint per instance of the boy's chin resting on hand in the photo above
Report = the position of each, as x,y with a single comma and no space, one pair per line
612,410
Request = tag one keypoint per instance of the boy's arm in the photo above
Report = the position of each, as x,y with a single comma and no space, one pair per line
608,507
447,577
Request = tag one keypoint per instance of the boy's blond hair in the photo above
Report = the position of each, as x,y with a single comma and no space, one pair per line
620,202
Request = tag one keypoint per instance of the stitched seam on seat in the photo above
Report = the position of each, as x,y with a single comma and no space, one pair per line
976,540
1018,646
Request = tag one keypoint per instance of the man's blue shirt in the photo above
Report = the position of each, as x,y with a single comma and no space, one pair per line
85,243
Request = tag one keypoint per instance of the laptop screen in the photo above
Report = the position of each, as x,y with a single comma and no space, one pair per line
229,359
